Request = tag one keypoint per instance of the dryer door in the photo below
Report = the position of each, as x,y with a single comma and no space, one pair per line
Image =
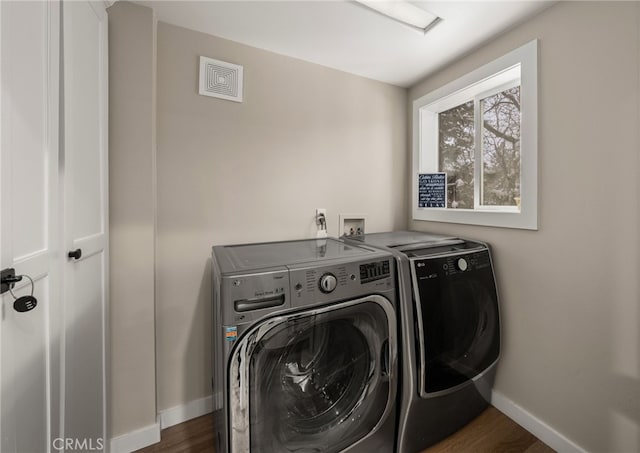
458,319
314,381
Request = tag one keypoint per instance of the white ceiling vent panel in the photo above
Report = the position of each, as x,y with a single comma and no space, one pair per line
220,79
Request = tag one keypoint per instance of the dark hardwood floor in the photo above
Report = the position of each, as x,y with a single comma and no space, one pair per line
491,432
189,437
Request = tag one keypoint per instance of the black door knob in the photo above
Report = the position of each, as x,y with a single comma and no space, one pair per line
75,254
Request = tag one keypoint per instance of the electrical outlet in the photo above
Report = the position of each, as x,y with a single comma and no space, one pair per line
321,212
321,222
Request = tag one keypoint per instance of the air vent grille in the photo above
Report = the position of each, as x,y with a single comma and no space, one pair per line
220,79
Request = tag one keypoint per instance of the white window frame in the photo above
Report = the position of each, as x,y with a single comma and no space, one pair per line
425,139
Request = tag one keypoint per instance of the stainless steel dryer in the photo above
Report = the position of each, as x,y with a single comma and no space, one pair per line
450,333
305,347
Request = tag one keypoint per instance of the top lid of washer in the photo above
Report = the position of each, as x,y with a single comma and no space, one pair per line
270,254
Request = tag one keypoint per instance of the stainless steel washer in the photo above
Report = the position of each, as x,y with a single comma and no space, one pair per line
305,347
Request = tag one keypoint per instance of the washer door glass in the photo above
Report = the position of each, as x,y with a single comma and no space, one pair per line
319,382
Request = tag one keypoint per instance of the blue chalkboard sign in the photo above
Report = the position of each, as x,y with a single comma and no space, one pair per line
432,190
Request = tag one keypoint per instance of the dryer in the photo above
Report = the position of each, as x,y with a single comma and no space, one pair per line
305,347
450,333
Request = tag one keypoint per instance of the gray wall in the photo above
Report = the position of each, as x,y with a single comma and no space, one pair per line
132,379
305,137
570,291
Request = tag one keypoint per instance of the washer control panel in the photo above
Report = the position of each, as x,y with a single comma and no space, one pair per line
374,271
340,281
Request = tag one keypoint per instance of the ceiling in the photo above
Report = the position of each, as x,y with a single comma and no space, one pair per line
350,37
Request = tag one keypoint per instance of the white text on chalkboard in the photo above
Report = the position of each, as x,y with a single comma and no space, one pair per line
432,190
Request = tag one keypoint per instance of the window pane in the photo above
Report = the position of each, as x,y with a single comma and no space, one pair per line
501,148
455,149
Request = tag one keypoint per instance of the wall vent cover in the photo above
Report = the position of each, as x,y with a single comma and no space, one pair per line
220,79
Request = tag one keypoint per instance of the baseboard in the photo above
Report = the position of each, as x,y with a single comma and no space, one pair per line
534,425
150,435
192,409
135,440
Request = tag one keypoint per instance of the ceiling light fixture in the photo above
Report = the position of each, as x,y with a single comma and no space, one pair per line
404,12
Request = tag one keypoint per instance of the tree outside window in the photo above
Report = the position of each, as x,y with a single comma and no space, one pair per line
501,148
500,139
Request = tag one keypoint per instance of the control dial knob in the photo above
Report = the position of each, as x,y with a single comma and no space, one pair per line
462,264
328,283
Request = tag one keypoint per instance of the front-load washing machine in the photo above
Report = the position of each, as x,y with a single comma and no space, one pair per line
305,347
450,333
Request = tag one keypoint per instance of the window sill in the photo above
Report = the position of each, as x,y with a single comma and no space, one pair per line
504,217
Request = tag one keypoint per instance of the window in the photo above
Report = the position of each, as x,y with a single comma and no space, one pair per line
481,130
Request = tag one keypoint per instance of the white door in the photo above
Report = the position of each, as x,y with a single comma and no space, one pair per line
29,225
53,199
85,219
